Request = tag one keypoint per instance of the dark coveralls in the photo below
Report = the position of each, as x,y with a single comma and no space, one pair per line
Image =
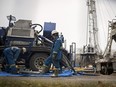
55,50
11,55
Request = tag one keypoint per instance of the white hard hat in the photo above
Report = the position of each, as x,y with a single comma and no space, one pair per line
54,32
24,49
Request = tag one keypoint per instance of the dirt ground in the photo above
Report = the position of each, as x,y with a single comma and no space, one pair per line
73,81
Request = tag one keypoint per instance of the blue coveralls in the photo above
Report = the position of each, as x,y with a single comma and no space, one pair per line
11,55
56,49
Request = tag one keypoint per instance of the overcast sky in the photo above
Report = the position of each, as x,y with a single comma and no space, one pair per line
70,16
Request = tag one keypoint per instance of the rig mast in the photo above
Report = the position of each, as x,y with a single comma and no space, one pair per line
92,29
92,48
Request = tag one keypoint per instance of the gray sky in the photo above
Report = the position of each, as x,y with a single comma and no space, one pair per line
70,16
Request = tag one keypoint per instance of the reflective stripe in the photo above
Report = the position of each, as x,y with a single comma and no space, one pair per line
61,48
55,52
12,65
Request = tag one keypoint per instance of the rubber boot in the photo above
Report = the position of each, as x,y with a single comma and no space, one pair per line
45,69
7,68
56,72
13,69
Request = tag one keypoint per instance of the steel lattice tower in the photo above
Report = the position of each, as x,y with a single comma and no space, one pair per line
92,29
91,50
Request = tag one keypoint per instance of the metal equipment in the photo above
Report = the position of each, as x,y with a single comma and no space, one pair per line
73,54
104,63
22,33
107,63
91,50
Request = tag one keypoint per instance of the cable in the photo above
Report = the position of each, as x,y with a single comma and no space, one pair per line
100,15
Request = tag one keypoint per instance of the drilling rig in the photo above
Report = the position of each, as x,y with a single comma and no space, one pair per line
107,64
92,49
92,55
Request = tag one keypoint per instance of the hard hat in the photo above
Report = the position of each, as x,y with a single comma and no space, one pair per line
54,32
24,49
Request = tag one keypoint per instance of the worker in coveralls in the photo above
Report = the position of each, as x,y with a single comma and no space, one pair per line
56,54
11,55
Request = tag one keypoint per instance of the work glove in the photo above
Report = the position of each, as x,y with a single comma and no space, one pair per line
54,56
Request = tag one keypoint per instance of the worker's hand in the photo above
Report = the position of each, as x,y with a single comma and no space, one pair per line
54,56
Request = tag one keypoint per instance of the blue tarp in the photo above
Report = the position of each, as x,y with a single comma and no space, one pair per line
65,73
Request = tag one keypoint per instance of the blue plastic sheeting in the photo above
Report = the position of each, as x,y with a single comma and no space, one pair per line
8,74
86,74
65,73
